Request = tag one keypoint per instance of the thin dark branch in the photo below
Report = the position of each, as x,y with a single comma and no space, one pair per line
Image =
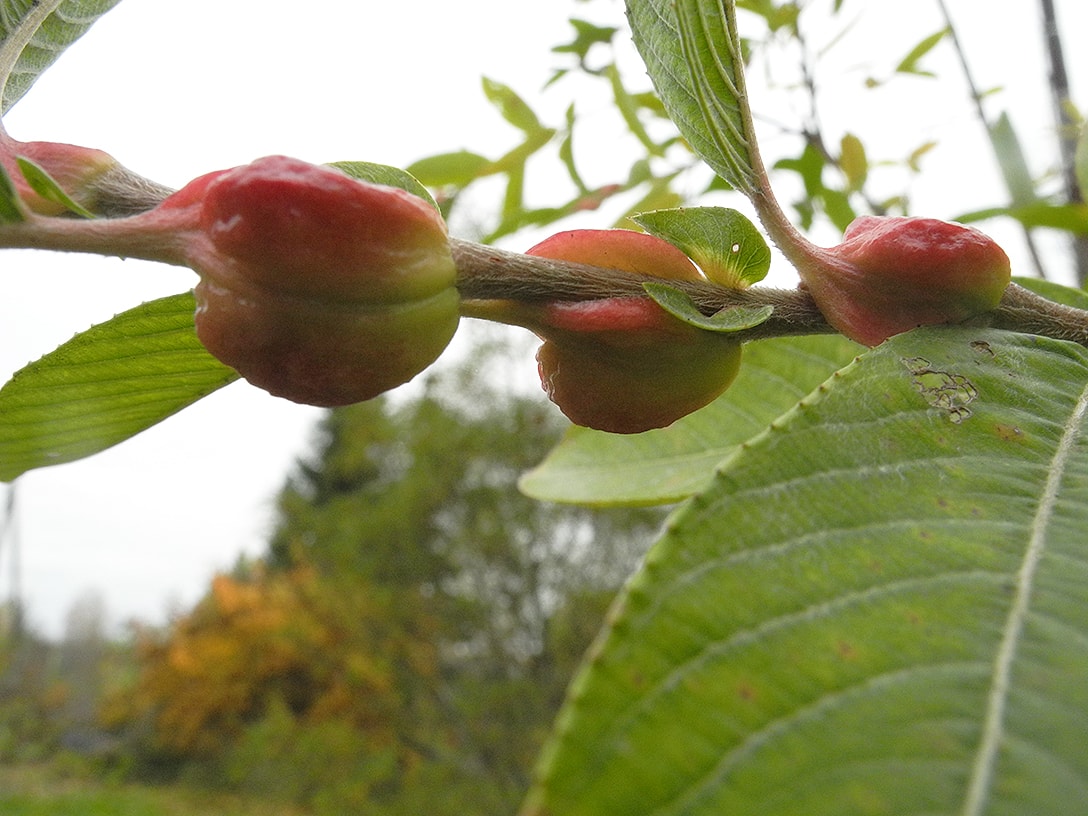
1067,129
980,113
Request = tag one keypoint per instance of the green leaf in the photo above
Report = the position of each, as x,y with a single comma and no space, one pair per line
587,35
853,162
11,209
723,242
670,464
914,160
878,606
809,165
456,169
628,107
909,63
513,108
33,33
660,196
1014,165
384,174
1069,217
566,152
1077,298
681,306
46,186
693,55
106,385
1080,160
775,14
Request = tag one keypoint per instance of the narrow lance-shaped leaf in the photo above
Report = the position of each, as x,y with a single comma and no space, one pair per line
33,33
46,186
566,151
513,108
1080,161
11,209
909,63
106,385
1014,165
878,606
692,52
628,107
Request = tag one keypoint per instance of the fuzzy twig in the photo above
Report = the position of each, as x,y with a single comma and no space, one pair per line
486,273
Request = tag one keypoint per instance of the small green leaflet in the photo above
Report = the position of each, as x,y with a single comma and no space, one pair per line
587,35
723,242
1081,159
384,174
46,186
729,319
909,63
456,169
513,108
11,210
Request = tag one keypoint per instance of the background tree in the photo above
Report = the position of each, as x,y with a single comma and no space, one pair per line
415,615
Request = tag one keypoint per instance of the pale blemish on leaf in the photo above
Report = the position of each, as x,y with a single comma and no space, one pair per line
942,389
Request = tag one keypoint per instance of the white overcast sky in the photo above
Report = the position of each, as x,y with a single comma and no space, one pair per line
177,89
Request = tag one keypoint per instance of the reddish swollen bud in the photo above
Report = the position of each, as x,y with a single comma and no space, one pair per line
893,274
315,286
624,365
77,170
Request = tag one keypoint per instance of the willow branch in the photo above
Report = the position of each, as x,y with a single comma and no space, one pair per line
485,273
488,274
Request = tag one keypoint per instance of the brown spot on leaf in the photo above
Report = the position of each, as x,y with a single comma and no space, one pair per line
1009,433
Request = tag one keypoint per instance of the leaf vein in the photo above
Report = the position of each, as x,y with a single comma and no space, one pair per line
993,731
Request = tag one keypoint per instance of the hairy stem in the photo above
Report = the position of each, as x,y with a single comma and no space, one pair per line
489,274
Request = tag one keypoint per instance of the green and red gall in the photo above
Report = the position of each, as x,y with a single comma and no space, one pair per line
315,286
623,364
893,274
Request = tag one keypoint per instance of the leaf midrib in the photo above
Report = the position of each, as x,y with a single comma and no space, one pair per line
20,36
993,729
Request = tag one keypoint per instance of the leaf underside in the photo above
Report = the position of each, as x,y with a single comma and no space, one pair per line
702,90
877,606
106,385
666,465
68,21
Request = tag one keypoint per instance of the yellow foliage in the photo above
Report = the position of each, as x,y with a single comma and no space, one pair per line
325,651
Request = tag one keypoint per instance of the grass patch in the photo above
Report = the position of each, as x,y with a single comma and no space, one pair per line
41,790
